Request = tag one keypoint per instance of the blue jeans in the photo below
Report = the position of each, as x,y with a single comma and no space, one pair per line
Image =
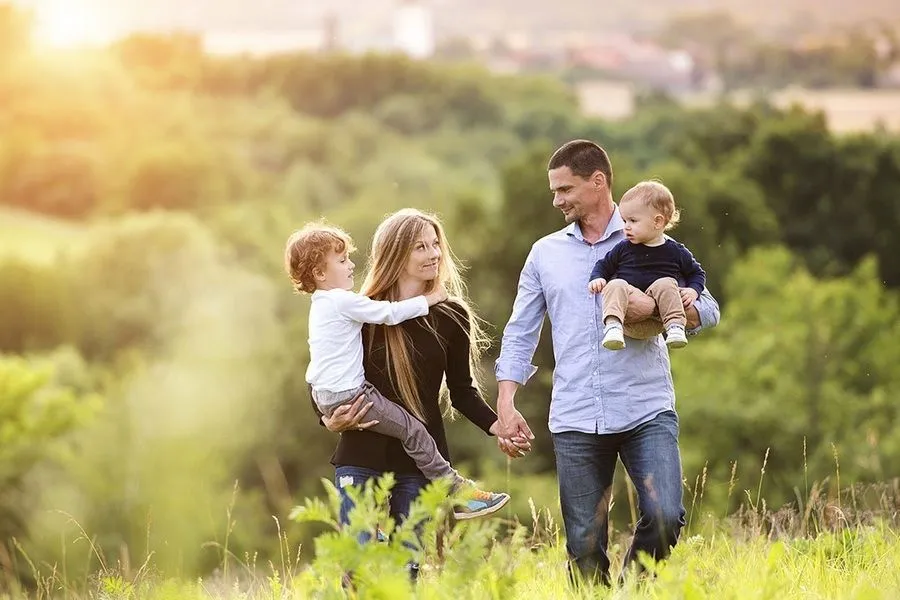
585,464
406,489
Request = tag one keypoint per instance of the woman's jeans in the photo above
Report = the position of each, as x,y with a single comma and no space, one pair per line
406,489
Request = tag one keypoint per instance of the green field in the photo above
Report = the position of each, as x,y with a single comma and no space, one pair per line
37,238
725,561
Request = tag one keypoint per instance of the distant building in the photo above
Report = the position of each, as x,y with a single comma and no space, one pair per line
331,41
644,63
414,29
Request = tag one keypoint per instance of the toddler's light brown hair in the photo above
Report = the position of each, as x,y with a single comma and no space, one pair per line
656,196
307,250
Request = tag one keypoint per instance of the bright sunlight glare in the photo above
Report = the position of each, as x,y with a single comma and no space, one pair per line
67,23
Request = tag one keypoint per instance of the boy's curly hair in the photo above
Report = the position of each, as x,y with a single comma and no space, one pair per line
307,249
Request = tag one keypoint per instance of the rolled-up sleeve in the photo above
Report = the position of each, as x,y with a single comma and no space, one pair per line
707,310
523,331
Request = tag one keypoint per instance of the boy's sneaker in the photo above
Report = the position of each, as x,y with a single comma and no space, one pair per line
675,337
478,503
614,337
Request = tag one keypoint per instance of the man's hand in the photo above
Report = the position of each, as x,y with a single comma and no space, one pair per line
511,424
693,318
514,447
347,417
688,295
596,285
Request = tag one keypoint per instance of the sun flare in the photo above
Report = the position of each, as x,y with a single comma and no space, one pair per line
64,24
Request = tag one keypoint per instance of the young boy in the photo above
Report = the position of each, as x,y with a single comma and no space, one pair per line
649,261
318,263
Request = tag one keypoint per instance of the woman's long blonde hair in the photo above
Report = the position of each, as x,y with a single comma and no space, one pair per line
391,248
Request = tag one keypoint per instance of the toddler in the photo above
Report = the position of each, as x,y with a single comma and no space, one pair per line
651,262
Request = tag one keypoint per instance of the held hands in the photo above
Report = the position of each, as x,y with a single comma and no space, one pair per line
514,447
512,431
688,295
439,294
596,285
348,417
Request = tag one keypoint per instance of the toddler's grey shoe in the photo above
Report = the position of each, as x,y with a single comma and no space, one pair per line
675,337
614,337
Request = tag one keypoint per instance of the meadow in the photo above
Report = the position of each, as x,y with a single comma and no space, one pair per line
821,549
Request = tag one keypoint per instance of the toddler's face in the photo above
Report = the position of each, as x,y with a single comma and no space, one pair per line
642,223
338,272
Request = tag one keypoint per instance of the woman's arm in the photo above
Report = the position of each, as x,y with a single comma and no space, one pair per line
464,396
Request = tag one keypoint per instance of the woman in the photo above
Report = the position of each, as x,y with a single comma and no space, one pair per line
407,362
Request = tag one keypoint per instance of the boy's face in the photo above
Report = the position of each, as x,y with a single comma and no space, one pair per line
337,273
642,223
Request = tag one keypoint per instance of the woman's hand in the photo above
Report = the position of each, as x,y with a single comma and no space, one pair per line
514,447
347,417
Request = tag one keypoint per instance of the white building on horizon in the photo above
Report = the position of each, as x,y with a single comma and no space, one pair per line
413,32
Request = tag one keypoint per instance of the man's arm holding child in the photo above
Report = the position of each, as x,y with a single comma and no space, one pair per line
693,275
701,309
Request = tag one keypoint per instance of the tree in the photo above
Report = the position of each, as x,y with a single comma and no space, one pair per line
61,181
37,314
38,412
175,177
798,366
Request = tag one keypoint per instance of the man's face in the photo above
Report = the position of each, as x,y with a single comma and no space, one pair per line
574,195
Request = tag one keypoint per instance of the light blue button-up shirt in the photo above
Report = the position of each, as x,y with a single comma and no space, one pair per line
595,390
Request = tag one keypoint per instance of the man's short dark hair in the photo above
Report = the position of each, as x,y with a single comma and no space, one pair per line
584,158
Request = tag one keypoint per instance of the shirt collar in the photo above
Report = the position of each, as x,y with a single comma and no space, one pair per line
616,223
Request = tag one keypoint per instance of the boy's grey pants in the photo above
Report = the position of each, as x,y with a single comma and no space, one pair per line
396,422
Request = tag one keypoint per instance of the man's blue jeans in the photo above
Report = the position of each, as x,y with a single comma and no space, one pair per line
585,464
406,489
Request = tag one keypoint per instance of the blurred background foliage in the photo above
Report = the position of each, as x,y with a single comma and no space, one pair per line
152,354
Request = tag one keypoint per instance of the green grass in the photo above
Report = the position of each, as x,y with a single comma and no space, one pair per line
825,551
856,563
35,237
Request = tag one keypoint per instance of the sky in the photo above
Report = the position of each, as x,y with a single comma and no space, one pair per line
74,22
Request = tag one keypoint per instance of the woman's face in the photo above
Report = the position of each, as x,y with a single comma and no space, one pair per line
425,259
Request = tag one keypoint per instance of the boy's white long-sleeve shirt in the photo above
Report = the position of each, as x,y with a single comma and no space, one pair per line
336,318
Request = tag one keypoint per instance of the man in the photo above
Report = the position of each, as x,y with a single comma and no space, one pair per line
604,404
